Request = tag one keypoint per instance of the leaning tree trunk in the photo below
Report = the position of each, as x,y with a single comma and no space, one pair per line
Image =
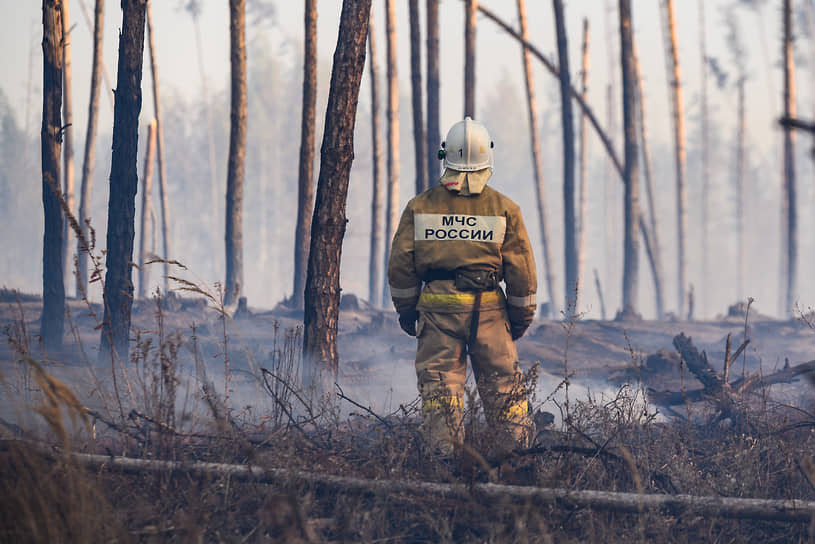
470,11
392,214
631,177
569,245
416,95
53,288
82,248
656,261
162,171
237,153
328,226
789,204
146,207
68,136
678,115
704,141
537,162
433,131
375,265
583,182
305,180
118,293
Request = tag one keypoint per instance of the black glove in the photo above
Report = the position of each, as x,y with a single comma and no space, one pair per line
517,330
407,320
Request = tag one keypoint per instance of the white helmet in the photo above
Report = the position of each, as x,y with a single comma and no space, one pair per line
468,147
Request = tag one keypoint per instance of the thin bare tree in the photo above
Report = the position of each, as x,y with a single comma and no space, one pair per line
678,119
392,213
305,178
416,95
118,292
52,320
86,184
233,287
569,232
328,227
537,162
67,137
704,143
470,12
146,210
610,245
375,265
631,177
583,165
789,205
109,90
433,130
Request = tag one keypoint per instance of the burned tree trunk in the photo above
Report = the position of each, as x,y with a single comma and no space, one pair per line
416,95
537,162
392,213
377,196
237,153
741,137
305,183
328,226
162,171
90,150
631,177
583,182
433,131
678,117
53,288
118,293
68,137
704,142
569,245
790,212
471,9
146,207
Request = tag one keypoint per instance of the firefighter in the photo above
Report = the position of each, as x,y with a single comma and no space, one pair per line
455,243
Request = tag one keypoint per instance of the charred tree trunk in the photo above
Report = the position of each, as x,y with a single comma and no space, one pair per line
610,246
569,245
583,182
471,9
677,106
162,171
68,137
789,204
90,150
53,289
237,153
392,214
704,140
377,195
305,183
146,207
433,131
631,177
741,137
537,162
416,94
109,91
118,293
328,227
656,260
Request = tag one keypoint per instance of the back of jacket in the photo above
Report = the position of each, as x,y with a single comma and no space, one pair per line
441,230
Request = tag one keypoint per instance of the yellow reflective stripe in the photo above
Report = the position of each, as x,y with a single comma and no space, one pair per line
442,403
441,299
518,410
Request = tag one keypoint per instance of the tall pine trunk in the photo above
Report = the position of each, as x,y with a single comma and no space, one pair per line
789,192
416,95
433,131
704,141
237,152
90,149
392,213
537,161
583,165
146,207
741,140
610,247
52,321
375,265
470,11
328,227
109,90
68,137
678,118
118,293
305,180
631,171
162,171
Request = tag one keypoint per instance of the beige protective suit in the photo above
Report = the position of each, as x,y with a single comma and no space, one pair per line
442,231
